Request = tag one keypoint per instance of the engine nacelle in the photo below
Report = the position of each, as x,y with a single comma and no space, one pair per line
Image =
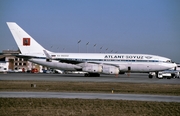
92,68
110,69
123,68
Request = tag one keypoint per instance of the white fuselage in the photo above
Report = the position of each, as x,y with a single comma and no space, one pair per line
124,62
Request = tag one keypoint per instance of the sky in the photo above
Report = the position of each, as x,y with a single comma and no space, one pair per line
115,26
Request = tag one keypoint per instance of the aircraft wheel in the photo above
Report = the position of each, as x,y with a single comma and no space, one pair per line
86,75
150,76
168,77
94,74
173,76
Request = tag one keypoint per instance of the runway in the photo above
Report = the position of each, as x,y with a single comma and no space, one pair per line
133,78
137,97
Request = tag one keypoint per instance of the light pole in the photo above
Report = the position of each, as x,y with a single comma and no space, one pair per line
94,48
78,45
51,48
87,47
58,49
106,50
101,49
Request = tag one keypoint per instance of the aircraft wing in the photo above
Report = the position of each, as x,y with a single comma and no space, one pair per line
77,62
72,61
69,61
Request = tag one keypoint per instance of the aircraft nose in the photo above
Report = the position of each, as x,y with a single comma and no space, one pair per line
175,66
171,66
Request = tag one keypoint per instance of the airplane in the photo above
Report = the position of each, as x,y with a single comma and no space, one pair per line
92,63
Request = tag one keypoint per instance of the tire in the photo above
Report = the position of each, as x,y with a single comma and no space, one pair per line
86,74
168,77
150,76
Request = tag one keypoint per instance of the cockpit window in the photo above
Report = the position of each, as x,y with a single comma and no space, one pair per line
168,60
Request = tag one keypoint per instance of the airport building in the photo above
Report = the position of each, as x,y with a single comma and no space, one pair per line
9,62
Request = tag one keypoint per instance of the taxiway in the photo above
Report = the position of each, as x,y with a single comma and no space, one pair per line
137,97
133,78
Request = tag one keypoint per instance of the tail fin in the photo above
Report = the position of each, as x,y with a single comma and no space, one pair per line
25,42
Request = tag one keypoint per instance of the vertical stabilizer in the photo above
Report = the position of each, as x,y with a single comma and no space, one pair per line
25,42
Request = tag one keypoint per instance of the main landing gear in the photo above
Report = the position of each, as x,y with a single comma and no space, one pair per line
92,75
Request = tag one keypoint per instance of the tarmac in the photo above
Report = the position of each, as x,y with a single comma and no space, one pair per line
133,78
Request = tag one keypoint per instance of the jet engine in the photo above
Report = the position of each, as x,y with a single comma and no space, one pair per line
123,68
92,68
110,69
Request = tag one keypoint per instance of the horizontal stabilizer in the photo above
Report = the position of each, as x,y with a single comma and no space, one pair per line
47,55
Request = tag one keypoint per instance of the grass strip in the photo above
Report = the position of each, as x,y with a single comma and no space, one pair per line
81,107
100,87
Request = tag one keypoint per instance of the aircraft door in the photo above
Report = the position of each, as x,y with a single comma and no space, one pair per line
129,68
